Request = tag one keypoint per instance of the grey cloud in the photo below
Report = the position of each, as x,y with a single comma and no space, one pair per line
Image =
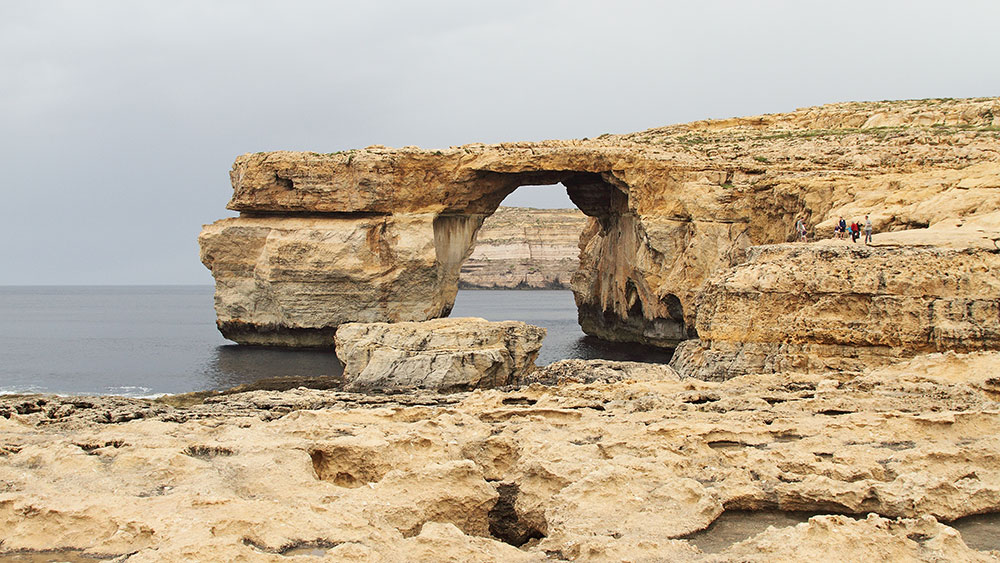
120,119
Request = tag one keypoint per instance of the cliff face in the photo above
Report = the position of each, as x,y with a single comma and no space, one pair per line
836,306
524,248
286,281
669,208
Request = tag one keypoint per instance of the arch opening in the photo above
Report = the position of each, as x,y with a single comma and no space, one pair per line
607,222
530,242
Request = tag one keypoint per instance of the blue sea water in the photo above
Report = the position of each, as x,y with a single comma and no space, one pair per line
148,340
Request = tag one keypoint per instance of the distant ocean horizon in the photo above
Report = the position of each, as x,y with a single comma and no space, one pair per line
148,340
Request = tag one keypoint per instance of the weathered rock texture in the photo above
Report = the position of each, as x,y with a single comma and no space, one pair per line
441,354
524,248
668,207
291,281
611,469
838,306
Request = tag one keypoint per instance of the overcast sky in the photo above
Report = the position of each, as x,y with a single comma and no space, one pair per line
119,120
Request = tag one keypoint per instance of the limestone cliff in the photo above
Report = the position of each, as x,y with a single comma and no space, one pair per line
836,306
525,248
668,208
291,281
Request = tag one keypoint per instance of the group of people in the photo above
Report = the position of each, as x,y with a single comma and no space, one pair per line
841,231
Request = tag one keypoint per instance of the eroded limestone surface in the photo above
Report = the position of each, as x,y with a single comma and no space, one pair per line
613,468
841,306
668,208
440,354
291,281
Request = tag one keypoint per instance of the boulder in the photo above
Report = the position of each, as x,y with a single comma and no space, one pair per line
442,354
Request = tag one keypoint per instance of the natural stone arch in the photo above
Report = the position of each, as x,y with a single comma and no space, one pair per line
325,238
380,235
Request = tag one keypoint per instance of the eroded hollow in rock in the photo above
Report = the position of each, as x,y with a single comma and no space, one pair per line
207,452
61,555
314,548
505,525
343,469
979,531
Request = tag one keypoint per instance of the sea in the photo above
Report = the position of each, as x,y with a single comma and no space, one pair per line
144,341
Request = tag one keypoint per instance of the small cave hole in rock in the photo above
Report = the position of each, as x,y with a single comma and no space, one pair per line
633,301
518,401
732,445
285,183
700,399
504,522
674,307
834,412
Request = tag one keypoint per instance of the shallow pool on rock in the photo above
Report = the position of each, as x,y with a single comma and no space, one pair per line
981,532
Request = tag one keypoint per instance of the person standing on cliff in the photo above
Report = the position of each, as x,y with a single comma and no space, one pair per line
800,227
854,231
868,230
842,225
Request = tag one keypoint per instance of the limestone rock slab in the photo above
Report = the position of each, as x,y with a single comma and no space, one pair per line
441,354
821,307
622,469
291,281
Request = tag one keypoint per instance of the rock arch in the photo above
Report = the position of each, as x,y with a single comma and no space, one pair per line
380,234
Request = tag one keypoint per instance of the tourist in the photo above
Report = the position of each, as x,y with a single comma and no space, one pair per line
800,227
868,230
842,226
855,230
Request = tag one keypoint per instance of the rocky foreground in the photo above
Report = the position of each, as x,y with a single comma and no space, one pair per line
595,461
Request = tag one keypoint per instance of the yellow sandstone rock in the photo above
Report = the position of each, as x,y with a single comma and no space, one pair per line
668,209
441,354
623,469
